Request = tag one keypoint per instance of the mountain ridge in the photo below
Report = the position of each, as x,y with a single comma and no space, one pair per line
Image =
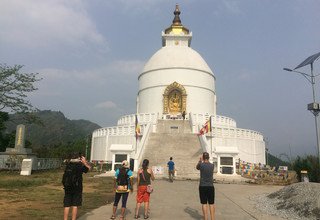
52,128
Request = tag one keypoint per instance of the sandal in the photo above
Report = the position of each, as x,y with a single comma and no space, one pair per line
113,217
122,217
146,216
136,216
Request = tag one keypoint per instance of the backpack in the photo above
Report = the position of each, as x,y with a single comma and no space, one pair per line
71,178
122,180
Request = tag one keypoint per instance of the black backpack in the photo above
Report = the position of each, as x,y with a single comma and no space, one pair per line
71,179
122,179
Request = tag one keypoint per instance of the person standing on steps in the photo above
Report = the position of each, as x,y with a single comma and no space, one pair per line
206,188
184,115
145,175
171,169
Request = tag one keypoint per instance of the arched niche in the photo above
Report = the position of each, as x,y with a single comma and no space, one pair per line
174,99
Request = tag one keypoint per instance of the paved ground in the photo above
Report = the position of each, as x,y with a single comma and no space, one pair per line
179,200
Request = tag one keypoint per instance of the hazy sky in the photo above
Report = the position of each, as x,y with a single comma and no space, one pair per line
90,53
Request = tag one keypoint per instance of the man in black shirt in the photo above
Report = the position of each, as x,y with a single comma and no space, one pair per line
72,182
206,188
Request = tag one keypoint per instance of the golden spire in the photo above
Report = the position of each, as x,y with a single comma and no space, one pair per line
176,20
177,27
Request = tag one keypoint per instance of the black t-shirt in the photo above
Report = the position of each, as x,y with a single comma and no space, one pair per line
80,169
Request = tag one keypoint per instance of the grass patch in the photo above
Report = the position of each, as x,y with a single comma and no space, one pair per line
40,196
19,183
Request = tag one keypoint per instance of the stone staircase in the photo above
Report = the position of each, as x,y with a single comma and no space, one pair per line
174,139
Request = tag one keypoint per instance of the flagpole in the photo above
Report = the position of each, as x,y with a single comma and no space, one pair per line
135,132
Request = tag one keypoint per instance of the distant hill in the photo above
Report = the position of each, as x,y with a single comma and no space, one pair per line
54,129
274,161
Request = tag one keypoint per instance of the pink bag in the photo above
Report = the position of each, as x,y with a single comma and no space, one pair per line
149,187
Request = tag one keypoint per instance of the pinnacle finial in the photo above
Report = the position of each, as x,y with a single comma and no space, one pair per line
176,20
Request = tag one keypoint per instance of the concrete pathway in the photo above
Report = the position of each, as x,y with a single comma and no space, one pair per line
180,200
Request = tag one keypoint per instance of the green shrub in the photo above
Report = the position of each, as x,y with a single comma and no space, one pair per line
309,163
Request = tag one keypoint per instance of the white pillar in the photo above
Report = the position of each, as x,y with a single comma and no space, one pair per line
113,161
234,165
218,164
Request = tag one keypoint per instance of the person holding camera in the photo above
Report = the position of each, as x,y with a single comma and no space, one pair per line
206,188
72,183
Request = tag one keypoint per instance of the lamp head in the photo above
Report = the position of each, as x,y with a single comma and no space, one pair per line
287,69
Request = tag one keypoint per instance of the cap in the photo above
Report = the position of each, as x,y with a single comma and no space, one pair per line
125,164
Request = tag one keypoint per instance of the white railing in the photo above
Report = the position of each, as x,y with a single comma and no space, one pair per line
118,131
143,118
204,143
216,120
222,127
126,125
141,146
115,130
236,133
2,162
193,124
38,163
47,163
10,163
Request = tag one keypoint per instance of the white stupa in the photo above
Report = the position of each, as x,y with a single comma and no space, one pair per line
176,81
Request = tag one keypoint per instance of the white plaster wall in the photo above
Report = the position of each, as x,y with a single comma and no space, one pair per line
252,151
260,152
127,139
99,148
194,77
199,87
226,142
246,150
101,145
197,100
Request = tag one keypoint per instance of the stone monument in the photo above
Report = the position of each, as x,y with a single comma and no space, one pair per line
13,157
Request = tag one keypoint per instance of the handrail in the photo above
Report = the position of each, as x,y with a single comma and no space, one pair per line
204,143
141,146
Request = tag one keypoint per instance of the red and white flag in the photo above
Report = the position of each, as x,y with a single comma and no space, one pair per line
206,127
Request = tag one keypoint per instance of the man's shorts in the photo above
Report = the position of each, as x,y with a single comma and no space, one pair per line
72,199
206,194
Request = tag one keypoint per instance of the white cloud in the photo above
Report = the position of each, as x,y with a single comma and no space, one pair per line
140,5
127,66
48,24
106,105
57,82
232,6
96,75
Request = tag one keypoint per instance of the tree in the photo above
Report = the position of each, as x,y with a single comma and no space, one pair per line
14,87
310,164
4,116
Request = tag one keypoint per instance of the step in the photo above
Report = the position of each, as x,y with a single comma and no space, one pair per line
174,139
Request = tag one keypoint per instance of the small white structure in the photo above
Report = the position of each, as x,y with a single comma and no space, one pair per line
26,167
177,80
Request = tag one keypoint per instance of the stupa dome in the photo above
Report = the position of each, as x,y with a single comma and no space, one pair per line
176,57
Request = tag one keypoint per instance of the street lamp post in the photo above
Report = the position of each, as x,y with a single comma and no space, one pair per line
314,107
